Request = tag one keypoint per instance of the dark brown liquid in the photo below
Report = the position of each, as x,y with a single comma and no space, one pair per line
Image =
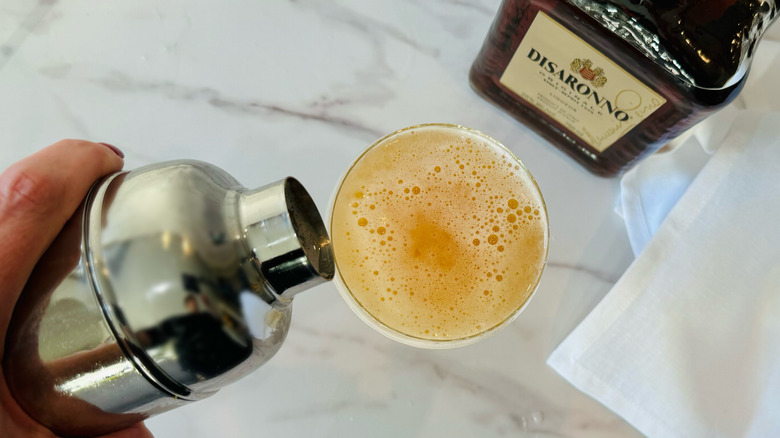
722,32
708,38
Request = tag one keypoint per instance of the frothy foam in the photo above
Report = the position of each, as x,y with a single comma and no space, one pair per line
438,233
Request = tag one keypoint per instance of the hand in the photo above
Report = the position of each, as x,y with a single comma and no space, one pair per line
37,197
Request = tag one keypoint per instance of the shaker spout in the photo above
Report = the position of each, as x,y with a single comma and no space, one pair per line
286,237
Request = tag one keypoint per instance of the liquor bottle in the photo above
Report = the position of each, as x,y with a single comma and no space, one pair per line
169,282
611,81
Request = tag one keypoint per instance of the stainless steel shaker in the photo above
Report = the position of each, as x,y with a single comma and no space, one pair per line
170,282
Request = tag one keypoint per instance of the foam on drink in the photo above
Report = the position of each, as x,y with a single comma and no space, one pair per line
438,233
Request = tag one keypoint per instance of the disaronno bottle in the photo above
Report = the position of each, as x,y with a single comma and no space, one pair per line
610,82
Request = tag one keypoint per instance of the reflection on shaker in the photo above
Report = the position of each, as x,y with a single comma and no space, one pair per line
143,311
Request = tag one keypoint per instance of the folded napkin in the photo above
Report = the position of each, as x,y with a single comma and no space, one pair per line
649,191
687,343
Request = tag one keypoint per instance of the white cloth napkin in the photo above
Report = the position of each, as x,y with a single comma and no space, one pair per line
650,190
687,343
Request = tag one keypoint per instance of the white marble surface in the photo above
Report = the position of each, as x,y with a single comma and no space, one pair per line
266,89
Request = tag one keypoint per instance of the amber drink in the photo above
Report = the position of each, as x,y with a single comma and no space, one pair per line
440,235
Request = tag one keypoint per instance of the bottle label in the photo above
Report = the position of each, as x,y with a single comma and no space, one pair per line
576,85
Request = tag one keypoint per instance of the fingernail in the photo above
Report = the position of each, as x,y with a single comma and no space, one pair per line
115,149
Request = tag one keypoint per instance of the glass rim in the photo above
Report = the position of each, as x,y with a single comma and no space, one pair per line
354,304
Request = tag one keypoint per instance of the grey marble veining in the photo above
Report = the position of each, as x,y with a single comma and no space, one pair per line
317,111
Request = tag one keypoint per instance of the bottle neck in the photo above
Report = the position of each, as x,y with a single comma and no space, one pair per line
705,44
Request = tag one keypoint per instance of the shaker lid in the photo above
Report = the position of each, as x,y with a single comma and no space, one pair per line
286,237
177,249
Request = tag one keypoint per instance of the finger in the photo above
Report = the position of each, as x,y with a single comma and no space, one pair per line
37,196
135,431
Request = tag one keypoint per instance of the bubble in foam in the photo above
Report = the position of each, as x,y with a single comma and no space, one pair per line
437,261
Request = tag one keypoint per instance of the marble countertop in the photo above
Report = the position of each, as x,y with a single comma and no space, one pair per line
270,89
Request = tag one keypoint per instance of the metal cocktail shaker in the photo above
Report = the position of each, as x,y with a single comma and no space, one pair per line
170,282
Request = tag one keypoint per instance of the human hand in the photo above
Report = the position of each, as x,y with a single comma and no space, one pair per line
37,197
